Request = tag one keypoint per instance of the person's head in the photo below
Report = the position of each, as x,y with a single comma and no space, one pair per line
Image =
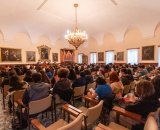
87,72
144,89
100,81
123,72
113,77
156,84
29,73
36,77
82,74
13,81
63,73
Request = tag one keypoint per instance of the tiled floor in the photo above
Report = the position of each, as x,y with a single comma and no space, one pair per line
5,118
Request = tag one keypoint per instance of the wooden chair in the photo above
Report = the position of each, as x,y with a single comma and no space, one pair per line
61,124
92,114
90,85
36,107
16,95
150,124
78,93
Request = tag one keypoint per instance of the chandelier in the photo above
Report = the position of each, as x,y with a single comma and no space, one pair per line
76,37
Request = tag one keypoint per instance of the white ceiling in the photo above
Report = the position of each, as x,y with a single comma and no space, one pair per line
97,17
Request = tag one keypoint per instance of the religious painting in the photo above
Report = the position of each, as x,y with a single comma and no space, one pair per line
10,54
55,57
120,56
44,52
100,56
31,56
148,53
67,55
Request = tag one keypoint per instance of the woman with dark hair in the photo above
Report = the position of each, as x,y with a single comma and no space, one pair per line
103,90
72,75
44,77
156,84
28,76
88,76
63,86
116,84
15,84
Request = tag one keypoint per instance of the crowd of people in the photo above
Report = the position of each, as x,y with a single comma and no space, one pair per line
110,79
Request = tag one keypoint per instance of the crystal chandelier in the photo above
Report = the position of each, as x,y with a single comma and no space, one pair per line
76,37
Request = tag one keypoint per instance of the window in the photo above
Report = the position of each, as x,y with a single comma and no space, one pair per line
93,57
79,58
158,56
132,56
109,57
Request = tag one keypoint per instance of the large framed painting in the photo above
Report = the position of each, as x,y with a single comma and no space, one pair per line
100,56
55,57
44,52
120,56
10,54
31,56
148,53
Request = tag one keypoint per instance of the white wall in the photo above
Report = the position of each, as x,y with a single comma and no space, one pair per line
23,41
133,38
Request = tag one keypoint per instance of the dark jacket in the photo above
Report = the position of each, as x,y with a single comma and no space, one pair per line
79,82
63,89
89,79
35,92
144,106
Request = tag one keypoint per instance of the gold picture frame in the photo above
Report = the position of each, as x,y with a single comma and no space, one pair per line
44,53
10,54
30,56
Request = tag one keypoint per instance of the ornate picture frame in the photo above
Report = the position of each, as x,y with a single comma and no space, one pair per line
55,57
148,52
100,56
30,56
120,56
10,54
44,53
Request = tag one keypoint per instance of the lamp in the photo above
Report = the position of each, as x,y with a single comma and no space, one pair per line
76,37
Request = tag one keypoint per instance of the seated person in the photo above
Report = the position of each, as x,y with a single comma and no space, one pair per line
156,84
80,80
63,86
37,90
103,90
147,102
125,77
142,70
88,76
116,84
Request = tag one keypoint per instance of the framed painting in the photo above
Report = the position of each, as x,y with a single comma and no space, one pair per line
31,56
55,57
148,53
100,56
120,56
10,54
44,52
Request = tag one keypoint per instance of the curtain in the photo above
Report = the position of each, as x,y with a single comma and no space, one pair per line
79,58
132,56
92,58
109,57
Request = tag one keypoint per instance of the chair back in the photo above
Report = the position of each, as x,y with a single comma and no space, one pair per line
79,91
41,105
93,113
17,95
5,90
75,124
91,85
152,122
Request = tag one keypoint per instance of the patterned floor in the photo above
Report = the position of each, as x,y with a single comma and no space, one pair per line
6,118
